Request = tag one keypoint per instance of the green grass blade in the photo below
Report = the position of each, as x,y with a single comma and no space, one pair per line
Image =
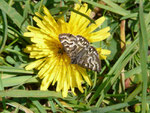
38,105
14,70
14,15
114,6
27,9
113,107
123,56
119,12
118,112
1,82
16,52
132,16
134,93
143,42
5,31
111,72
8,75
58,103
13,81
24,93
19,106
52,105
136,70
1,89
111,80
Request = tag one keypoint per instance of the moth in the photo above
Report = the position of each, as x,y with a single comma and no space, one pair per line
80,52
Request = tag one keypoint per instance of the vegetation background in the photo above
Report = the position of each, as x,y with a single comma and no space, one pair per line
121,86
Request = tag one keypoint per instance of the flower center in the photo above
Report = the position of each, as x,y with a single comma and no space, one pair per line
60,51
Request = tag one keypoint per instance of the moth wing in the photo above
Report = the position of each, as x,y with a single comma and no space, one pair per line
73,45
90,60
69,43
80,52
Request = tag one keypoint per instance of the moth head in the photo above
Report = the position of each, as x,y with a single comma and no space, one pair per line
60,50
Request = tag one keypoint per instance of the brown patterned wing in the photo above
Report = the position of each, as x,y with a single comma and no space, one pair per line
80,52
90,59
73,45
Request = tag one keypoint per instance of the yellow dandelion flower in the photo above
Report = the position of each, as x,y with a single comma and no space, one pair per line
53,65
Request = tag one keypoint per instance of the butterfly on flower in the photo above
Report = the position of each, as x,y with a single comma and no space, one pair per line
80,51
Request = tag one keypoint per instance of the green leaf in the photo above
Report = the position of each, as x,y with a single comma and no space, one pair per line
10,60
